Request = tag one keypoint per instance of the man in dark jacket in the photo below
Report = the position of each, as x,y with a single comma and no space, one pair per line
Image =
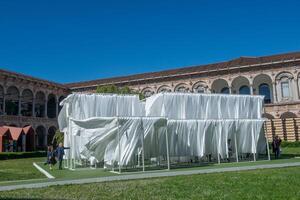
276,146
60,152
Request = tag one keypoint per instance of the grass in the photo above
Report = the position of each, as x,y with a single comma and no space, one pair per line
77,174
19,169
257,184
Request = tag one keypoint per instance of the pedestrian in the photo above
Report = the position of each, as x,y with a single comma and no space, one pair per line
276,146
60,152
51,157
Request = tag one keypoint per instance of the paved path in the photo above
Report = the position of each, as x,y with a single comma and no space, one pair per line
147,175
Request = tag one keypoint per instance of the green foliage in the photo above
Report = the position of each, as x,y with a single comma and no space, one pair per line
18,155
112,89
108,89
290,144
58,138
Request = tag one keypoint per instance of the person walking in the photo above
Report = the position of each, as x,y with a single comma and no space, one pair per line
60,152
276,146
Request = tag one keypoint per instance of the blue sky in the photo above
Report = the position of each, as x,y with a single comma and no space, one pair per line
69,41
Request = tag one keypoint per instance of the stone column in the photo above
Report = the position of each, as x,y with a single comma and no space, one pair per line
251,89
291,87
295,89
19,105
274,93
230,90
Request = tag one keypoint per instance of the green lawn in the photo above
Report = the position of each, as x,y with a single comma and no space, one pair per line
281,183
78,173
12,171
19,169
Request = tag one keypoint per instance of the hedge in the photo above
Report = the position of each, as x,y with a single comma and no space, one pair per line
17,155
290,144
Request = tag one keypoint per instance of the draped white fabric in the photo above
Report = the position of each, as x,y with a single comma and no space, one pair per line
84,106
204,106
115,128
213,137
99,137
107,138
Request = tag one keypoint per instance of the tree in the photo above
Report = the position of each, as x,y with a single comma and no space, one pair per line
113,89
58,138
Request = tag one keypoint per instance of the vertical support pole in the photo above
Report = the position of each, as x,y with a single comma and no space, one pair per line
68,136
119,146
143,148
236,148
266,136
218,143
138,158
74,159
268,150
167,145
267,143
219,162
254,154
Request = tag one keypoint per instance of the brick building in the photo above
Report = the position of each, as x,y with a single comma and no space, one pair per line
26,100
277,77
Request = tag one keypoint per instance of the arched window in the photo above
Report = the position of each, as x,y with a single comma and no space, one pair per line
147,93
285,89
51,106
40,104
26,102
244,90
225,90
164,89
12,101
183,88
199,89
264,90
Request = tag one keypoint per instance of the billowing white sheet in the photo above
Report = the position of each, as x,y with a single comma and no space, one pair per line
83,106
204,137
99,138
204,106
115,128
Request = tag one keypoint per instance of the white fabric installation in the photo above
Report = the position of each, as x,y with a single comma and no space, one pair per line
105,138
213,137
115,129
204,106
83,106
